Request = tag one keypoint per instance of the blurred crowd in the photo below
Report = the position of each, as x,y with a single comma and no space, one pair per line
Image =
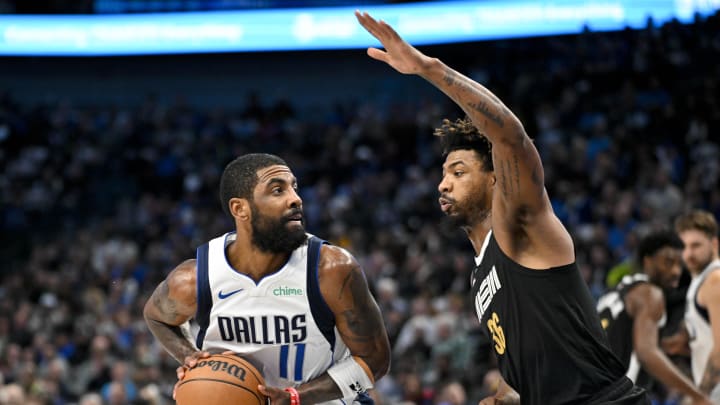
99,203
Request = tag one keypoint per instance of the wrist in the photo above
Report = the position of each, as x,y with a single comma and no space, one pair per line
294,396
429,66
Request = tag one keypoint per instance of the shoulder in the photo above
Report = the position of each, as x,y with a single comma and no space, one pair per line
183,277
713,278
336,267
709,286
644,296
336,259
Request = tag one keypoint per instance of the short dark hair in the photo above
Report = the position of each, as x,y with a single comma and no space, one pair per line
463,135
698,220
657,240
240,176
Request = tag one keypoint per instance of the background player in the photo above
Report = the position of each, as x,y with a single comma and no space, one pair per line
633,313
699,231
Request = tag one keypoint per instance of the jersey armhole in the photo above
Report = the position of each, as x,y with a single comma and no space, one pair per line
204,298
323,316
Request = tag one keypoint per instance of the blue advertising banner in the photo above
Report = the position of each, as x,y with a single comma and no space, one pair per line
423,23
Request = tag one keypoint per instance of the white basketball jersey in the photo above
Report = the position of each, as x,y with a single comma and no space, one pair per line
698,326
281,324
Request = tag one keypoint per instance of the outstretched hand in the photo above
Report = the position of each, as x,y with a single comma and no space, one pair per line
402,56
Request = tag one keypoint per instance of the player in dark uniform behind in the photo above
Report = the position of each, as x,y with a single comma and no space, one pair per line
634,312
527,289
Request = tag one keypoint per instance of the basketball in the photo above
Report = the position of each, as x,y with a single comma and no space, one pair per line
221,379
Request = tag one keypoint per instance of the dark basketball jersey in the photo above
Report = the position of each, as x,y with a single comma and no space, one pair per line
546,333
618,326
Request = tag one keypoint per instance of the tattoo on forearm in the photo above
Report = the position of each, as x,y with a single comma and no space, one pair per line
172,338
449,77
494,110
485,109
452,79
711,378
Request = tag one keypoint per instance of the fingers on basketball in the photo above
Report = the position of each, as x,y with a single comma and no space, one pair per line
221,379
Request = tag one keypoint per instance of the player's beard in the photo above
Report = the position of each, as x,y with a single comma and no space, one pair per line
469,212
272,234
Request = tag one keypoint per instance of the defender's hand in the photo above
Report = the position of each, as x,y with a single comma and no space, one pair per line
398,53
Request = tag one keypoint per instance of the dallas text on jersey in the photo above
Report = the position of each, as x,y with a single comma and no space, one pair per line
265,330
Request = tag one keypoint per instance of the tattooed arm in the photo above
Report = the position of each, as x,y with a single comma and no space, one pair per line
708,297
171,305
357,319
522,217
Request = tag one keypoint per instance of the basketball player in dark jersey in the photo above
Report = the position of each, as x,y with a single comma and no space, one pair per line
634,312
528,292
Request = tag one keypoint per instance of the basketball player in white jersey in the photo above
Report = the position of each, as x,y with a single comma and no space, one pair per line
297,308
699,231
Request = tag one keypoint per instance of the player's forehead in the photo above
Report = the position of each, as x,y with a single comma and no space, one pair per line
460,157
275,173
693,236
669,252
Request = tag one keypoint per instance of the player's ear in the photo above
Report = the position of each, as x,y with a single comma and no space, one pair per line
239,208
645,261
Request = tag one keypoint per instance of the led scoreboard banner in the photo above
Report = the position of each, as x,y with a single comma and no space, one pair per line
424,23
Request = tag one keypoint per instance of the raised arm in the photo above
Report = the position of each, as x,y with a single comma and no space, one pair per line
361,327
171,305
647,306
522,216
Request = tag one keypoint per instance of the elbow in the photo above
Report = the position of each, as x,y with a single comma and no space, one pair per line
515,134
383,368
148,314
381,363
146,311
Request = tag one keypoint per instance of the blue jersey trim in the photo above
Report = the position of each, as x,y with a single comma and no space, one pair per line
204,298
323,316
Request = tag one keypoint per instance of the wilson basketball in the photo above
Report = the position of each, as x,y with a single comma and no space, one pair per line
221,379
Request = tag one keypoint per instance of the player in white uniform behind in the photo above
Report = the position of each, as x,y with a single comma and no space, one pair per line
699,232
297,308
